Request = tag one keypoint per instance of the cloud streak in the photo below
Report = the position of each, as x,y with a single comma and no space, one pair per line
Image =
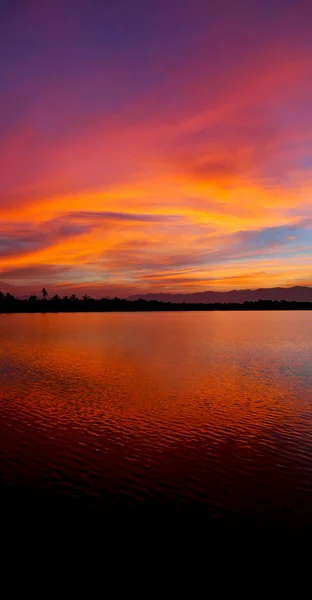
156,146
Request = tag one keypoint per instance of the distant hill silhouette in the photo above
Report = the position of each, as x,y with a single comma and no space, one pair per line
43,303
292,294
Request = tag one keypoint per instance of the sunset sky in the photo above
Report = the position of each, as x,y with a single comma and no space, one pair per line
155,145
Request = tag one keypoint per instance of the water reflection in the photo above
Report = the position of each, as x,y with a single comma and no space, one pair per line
200,409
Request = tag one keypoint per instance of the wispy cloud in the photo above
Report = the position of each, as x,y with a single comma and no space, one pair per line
156,141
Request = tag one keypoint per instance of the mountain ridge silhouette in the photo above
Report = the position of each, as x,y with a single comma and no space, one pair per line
290,294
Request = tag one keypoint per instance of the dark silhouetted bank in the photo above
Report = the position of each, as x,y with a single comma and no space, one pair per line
10,304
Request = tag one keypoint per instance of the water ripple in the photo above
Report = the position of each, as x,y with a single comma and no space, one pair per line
196,409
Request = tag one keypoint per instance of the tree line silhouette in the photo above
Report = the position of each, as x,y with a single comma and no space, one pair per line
11,304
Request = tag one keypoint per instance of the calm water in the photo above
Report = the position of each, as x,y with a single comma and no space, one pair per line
206,410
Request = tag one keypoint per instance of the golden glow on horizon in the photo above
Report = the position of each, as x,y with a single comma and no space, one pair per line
197,181
145,254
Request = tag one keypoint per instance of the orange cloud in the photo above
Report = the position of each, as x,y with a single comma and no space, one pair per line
203,178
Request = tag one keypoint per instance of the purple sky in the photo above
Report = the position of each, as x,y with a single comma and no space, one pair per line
155,146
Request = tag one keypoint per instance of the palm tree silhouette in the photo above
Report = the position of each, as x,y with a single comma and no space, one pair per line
73,298
44,293
86,298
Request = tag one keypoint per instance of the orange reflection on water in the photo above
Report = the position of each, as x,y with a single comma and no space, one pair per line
203,398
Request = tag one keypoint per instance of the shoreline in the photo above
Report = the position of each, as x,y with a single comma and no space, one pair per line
175,308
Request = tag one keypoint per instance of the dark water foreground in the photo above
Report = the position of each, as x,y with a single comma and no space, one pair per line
184,413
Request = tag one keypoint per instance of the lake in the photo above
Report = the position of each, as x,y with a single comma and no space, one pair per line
203,411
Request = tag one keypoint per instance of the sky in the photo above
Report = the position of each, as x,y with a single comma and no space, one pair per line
151,145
